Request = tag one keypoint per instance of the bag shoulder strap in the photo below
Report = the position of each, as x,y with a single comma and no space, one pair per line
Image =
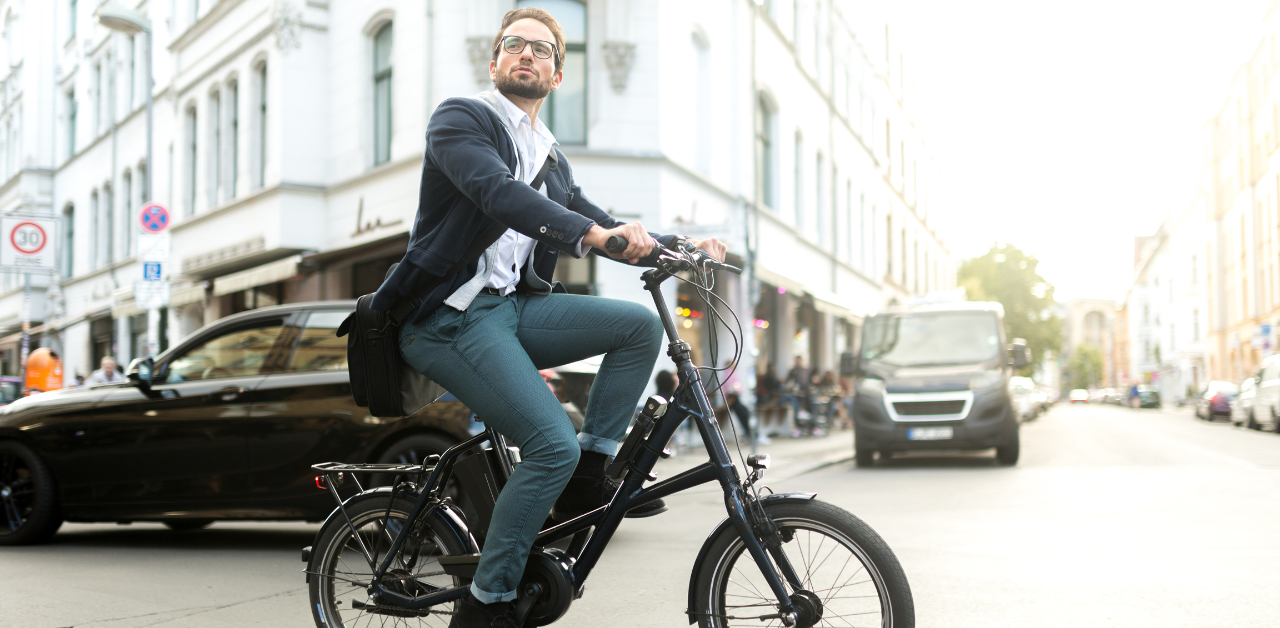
407,305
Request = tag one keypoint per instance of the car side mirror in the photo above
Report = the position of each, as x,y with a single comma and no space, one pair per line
1019,355
139,373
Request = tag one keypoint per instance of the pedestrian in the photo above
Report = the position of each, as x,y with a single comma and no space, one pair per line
733,390
485,331
767,390
105,375
798,384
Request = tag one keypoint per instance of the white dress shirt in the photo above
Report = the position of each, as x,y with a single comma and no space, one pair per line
533,143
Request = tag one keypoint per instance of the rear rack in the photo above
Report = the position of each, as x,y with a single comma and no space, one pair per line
343,467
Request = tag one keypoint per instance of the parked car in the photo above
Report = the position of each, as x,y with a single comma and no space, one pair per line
1098,395
1215,400
225,426
10,389
1266,404
1242,404
1021,390
1079,395
1148,397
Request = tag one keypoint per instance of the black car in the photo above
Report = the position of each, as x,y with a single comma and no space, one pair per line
227,428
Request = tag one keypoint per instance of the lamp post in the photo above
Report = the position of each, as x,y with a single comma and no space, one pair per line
132,22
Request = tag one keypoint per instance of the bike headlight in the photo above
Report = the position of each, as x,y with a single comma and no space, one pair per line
870,386
987,379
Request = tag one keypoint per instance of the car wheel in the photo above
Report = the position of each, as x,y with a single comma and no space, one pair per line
1007,454
413,450
184,525
29,511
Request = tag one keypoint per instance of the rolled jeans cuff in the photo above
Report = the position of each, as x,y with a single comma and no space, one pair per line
591,442
485,597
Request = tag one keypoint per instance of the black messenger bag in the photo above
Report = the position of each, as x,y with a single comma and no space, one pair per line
380,378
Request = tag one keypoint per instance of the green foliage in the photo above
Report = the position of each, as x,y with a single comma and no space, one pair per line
1007,275
1085,367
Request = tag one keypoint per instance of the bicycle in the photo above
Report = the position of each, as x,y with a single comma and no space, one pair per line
405,553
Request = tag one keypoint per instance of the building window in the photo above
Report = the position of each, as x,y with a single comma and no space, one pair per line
233,146
71,14
382,95
144,195
215,148
566,107
818,199
71,122
133,72
888,251
702,50
101,338
97,100
1194,273
192,153
127,199
259,144
96,227
799,182
107,233
766,164
1195,325
68,240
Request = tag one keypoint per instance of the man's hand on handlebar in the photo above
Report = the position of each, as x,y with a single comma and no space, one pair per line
715,248
639,242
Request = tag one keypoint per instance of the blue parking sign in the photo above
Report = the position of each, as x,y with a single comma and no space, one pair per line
151,271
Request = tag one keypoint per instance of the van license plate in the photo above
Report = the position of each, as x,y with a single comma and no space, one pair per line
929,433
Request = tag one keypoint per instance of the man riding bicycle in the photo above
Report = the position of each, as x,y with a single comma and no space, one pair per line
484,332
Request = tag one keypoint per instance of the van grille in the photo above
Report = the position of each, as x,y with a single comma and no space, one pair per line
919,408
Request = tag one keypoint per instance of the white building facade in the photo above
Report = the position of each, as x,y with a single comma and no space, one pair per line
288,138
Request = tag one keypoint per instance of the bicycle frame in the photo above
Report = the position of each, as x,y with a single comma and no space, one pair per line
690,402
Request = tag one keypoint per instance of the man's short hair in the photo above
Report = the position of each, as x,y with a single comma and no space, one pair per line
515,15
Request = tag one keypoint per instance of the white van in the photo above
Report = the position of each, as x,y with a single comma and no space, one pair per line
1266,402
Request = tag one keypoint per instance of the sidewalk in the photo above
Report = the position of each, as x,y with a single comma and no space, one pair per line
788,457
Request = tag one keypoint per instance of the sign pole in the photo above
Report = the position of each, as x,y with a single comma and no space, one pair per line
152,292
26,321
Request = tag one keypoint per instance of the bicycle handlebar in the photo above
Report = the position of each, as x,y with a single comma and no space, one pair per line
617,244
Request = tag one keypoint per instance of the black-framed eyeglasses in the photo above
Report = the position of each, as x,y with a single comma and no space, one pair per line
514,45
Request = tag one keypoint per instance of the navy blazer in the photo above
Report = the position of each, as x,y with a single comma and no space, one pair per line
469,184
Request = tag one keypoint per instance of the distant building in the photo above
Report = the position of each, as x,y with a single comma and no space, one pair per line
289,141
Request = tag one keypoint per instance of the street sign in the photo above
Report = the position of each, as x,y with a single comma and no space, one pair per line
149,295
151,271
153,218
28,243
154,247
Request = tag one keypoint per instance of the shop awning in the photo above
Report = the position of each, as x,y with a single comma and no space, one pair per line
823,301
775,279
186,293
258,276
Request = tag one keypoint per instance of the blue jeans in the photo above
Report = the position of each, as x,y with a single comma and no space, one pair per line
489,355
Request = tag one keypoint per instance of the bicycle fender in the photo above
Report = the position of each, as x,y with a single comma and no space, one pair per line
449,512
776,498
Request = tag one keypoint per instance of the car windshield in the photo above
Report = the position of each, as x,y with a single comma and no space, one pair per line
932,338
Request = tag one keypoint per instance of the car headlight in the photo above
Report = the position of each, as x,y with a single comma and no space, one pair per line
870,386
987,379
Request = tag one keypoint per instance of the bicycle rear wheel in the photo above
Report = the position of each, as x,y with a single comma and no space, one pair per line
340,574
843,564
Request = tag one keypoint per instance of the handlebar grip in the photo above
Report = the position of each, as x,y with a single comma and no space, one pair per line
616,244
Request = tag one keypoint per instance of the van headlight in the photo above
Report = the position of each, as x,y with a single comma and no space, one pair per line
870,386
988,379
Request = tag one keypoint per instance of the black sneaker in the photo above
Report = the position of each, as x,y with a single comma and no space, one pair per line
585,493
470,613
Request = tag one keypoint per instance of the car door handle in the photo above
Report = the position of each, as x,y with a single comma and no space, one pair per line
228,394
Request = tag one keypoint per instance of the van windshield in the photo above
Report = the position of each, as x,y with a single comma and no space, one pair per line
932,338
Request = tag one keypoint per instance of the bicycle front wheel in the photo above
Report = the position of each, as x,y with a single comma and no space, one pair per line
851,578
340,575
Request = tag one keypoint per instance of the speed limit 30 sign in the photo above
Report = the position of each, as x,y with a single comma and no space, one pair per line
28,243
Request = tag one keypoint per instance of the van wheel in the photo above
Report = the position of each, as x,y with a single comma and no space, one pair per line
186,525
1007,454
1252,423
864,457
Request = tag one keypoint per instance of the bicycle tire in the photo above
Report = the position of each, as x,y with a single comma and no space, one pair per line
722,602
336,555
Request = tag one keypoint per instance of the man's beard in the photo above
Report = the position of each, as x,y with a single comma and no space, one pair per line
531,89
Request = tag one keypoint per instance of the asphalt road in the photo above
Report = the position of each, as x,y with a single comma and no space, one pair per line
1114,517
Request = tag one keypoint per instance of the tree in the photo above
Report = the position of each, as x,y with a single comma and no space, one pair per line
1007,275
1085,366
